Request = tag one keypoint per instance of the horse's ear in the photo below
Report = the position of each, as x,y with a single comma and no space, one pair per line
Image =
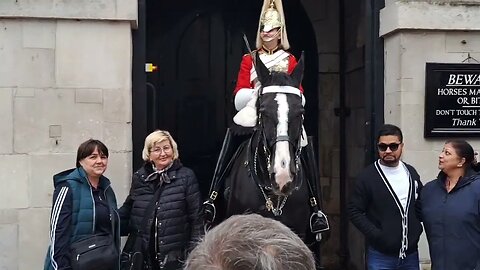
297,73
261,69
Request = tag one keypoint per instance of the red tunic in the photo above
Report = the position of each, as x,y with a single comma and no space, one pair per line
243,80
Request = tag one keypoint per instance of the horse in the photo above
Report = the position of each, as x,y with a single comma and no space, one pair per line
266,175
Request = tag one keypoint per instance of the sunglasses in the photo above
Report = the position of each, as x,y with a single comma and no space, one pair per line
383,147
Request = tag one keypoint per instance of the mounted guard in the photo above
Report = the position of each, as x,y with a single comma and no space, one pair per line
271,45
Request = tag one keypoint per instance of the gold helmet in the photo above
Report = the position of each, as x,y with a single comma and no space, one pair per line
272,17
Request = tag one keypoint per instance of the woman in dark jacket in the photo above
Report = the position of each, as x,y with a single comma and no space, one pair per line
161,213
451,209
83,204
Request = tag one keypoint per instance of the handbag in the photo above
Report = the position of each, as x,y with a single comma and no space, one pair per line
97,251
133,258
132,254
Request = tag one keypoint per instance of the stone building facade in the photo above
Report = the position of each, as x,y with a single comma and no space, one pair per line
65,76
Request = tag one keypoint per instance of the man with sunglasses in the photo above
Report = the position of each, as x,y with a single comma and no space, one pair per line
383,206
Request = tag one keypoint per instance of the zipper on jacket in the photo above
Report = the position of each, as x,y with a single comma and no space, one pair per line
118,236
156,232
94,209
443,228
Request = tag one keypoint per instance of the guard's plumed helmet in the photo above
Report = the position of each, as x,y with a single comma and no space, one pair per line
272,17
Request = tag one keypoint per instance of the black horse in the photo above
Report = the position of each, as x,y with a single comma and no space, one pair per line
266,175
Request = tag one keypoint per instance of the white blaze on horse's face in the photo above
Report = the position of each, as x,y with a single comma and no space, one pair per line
281,163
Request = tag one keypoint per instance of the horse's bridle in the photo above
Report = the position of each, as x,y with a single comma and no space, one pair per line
267,151
267,148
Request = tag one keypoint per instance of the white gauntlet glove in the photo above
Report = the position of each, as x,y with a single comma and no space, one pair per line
247,114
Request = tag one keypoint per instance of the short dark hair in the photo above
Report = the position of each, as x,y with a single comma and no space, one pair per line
87,147
389,129
463,150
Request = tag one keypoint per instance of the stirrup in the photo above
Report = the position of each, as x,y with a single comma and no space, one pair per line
319,222
209,211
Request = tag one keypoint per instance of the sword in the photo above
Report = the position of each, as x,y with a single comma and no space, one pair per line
247,44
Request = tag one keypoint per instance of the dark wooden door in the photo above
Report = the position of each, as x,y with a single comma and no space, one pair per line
187,93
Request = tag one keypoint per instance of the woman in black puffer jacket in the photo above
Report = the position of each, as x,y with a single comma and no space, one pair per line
161,215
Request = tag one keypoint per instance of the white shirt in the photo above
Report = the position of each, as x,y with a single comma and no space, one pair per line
398,178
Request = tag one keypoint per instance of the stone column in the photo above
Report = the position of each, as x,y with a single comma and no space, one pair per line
65,76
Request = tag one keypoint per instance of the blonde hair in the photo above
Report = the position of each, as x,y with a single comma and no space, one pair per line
156,137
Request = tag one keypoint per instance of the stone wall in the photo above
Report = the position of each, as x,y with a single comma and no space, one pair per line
65,76
323,15
326,22
417,32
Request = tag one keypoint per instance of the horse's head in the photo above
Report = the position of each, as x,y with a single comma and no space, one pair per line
280,119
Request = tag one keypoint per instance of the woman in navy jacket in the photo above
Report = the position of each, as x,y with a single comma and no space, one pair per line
451,209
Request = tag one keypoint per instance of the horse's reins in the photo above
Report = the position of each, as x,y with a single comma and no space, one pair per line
252,164
277,211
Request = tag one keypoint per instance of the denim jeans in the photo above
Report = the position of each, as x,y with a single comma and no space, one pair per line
379,261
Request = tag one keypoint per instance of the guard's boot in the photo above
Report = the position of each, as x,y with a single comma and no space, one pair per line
226,153
247,116
318,219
